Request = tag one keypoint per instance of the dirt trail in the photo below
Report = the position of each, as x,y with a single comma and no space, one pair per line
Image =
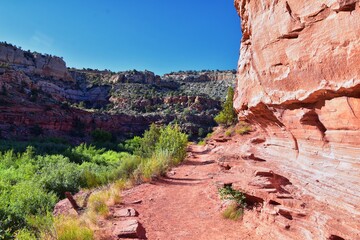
186,204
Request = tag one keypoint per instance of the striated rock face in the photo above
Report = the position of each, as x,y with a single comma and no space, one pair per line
299,83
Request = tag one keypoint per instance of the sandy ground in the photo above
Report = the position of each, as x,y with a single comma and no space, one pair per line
186,203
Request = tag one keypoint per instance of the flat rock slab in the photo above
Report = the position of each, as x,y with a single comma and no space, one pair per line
129,229
126,212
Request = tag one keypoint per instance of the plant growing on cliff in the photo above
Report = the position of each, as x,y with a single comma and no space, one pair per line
243,128
235,210
227,116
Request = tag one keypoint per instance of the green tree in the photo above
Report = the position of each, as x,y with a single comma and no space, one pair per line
227,116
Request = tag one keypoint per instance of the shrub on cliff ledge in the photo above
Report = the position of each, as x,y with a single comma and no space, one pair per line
227,116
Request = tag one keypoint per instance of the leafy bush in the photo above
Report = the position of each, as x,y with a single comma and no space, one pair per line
25,234
227,116
235,210
229,193
157,165
173,141
149,141
166,147
60,175
21,200
128,165
133,144
99,135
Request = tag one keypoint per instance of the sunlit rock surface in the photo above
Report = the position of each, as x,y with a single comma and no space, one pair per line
299,84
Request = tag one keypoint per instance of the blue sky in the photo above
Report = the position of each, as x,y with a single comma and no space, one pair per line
157,35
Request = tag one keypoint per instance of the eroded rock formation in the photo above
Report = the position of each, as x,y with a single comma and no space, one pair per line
34,63
299,83
39,95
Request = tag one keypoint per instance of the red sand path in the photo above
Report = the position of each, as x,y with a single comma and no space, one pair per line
186,204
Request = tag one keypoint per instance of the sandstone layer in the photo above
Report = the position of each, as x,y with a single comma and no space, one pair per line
299,84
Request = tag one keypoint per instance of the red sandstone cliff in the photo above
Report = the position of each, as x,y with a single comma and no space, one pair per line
299,84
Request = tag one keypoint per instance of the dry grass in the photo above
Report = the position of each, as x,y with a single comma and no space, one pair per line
233,212
243,128
98,203
72,228
229,132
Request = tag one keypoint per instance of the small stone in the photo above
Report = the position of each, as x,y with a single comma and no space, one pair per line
136,202
126,212
171,173
130,229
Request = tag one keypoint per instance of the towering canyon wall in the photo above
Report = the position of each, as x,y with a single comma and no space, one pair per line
41,97
299,84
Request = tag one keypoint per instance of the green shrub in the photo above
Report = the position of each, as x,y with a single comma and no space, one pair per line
157,165
173,141
99,135
133,144
42,225
25,234
60,175
128,165
149,141
235,210
21,200
227,116
228,193
167,148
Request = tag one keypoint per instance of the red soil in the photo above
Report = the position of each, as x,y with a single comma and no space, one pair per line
186,203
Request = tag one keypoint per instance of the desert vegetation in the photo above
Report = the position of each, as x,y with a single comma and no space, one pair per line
227,116
32,180
235,209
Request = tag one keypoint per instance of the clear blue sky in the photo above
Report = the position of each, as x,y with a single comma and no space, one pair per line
157,35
